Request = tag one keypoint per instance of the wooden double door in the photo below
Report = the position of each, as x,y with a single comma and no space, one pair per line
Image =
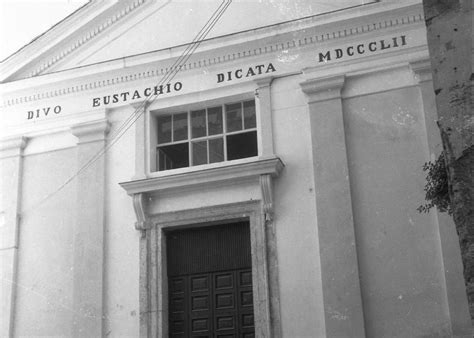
210,282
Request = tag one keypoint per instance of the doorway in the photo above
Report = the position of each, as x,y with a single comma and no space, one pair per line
210,281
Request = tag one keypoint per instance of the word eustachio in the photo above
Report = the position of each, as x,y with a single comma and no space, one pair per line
136,94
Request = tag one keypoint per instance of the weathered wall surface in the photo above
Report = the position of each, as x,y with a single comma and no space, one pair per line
400,253
121,239
45,268
296,226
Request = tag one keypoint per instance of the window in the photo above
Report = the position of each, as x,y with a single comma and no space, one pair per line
214,134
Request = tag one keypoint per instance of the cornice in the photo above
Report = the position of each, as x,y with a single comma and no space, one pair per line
91,131
86,37
422,70
272,167
216,58
12,146
321,89
51,38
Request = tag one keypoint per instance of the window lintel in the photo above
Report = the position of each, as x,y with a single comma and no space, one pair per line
232,172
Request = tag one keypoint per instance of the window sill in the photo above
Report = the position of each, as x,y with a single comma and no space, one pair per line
201,176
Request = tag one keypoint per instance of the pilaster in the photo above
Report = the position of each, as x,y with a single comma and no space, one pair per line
266,186
11,165
88,257
263,108
141,140
344,314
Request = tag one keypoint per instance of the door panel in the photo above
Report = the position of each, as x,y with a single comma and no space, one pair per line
216,301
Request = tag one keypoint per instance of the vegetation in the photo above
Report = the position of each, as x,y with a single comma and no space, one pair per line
436,187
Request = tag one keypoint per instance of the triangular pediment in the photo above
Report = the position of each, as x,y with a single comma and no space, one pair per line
110,30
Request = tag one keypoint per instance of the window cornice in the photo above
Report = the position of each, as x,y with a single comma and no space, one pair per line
232,172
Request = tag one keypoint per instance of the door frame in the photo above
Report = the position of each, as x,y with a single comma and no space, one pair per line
153,260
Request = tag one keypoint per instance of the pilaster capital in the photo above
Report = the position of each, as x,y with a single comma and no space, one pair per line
140,106
12,146
322,89
264,81
91,131
421,70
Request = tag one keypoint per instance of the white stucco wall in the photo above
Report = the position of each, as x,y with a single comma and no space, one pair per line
399,248
45,269
121,239
295,214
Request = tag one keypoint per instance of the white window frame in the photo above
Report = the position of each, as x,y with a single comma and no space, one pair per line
146,128
190,140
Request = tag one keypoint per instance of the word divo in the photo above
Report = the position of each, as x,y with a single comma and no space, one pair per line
34,114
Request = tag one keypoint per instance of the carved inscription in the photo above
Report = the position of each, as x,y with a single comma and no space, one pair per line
362,48
43,112
245,72
136,94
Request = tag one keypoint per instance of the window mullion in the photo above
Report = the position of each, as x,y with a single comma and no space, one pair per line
190,150
224,130
242,114
172,128
207,135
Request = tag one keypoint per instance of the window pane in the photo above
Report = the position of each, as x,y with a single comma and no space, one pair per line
249,115
214,120
234,117
242,145
198,122
180,126
173,156
216,150
199,152
164,129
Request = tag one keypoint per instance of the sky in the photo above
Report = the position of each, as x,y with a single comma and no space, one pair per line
23,20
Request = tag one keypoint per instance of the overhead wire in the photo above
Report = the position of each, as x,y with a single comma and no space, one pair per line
174,71
169,75
188,51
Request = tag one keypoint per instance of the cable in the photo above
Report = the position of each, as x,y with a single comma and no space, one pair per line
165,79
133,117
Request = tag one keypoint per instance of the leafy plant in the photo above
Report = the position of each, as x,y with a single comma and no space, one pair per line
436,187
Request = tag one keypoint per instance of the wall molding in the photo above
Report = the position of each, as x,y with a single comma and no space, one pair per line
91,131
229,173
422,70
12,146
322,89
91,34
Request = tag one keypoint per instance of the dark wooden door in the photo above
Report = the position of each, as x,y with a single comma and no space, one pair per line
210,282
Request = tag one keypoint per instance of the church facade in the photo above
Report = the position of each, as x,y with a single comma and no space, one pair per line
225,169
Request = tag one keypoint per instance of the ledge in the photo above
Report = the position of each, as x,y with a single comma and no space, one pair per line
322,89
272,166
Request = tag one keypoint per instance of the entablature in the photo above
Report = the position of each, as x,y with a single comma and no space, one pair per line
295,44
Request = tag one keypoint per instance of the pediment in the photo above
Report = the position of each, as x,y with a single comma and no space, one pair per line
110,30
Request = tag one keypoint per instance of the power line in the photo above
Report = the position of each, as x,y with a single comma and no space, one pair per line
138,112
167,77
188,51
